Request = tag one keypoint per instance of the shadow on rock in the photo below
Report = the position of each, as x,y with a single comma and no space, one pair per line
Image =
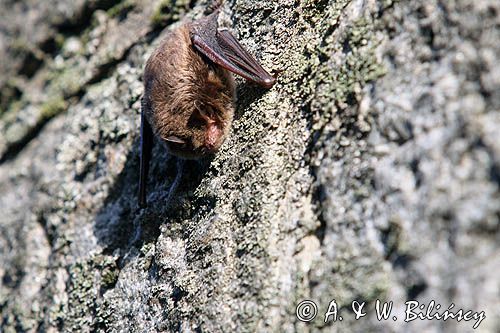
121,224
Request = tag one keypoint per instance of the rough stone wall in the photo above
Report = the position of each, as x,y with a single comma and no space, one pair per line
371,170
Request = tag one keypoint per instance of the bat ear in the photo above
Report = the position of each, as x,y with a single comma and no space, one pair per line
175,139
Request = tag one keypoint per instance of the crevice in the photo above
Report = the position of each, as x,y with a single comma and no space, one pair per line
77,24
318,198
415,290
16,147
49,46
9,94
495,173
103,72
412,280
30,65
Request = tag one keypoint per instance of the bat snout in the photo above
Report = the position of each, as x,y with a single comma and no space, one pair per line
213,137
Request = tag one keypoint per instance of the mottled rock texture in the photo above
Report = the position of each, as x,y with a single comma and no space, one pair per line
371,170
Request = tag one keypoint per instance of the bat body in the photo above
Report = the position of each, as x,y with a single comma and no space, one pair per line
189,92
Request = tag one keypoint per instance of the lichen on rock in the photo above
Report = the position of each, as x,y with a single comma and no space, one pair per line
369,171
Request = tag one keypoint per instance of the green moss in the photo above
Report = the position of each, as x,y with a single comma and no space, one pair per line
340,86
109,271
161,14
84,287
169,11
121,9
53,107
59,39
361,65
103,316
19,46
81,296
64,81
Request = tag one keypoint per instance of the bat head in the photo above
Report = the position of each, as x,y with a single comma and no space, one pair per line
202,125
188,101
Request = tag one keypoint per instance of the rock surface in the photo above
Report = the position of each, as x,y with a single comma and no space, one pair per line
371,170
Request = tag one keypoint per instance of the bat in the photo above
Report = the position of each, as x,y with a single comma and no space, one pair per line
189,92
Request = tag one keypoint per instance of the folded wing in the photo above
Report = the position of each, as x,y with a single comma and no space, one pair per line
222,48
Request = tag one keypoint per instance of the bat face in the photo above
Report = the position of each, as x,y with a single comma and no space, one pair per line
189,92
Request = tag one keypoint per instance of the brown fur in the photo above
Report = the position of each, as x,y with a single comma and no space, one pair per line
187,97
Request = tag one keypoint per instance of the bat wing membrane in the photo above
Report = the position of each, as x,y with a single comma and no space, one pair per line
223,49
146,148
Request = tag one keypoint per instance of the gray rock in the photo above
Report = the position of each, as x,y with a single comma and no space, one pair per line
370,171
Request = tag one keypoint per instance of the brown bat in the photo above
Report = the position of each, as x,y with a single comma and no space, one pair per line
189,91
